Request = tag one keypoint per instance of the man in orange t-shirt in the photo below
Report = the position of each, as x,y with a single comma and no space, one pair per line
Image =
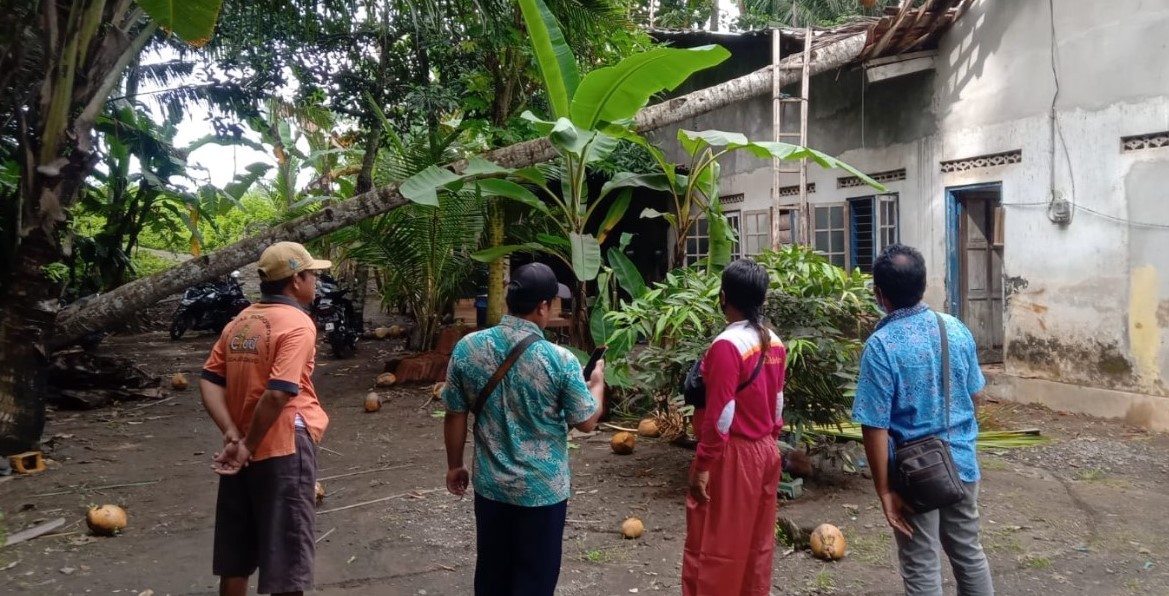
257,385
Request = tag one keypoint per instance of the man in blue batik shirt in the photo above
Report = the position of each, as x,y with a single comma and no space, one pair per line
898,399
521,439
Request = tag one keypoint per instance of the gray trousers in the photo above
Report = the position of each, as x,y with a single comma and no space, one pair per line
956,528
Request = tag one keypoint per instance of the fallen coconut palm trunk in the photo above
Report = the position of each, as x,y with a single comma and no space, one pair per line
116,304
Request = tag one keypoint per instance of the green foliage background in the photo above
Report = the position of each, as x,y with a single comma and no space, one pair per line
821,312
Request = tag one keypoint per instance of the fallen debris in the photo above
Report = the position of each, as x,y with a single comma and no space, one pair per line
414,494
29,462
85,488
987,439
34,532
618,428
387,468
82,381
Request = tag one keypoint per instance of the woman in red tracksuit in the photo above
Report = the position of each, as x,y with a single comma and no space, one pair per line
731,507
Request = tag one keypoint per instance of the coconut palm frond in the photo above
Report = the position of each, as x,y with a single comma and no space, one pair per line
164,74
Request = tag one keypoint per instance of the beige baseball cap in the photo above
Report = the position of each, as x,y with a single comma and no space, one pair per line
285,259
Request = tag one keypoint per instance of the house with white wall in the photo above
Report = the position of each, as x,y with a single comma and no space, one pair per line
1026,154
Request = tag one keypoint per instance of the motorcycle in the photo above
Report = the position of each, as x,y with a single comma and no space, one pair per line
209,306
334,315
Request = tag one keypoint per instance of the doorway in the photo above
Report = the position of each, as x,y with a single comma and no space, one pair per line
974,272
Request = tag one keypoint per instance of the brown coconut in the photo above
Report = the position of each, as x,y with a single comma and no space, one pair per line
395,330
648,428
381,332
828,543
179,382
438,387
623,443
106,520
386,380
320,492
632,528
373,402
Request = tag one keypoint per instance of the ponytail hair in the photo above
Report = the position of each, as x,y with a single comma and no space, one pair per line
744,284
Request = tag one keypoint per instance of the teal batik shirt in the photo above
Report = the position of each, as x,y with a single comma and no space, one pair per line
521,451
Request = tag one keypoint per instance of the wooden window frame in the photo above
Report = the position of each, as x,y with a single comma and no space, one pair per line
844,250
762,234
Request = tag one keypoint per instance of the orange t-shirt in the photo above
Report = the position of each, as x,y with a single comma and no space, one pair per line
270,345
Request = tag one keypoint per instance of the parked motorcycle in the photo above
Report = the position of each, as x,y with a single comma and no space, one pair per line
335,316
209,306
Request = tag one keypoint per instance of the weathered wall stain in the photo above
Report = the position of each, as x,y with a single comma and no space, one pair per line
1014,285
1092,363
1163,314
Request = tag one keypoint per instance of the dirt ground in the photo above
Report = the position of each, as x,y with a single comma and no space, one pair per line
1083,515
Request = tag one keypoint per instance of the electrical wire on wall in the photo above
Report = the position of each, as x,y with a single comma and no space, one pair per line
1112,218
1057,130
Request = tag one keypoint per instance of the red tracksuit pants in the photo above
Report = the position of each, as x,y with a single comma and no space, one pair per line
731,538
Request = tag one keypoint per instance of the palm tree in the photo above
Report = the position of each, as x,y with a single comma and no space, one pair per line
59,63
421,254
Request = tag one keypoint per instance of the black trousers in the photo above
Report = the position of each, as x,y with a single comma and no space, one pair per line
519,548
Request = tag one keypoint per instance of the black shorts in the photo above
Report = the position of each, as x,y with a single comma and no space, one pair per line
264,519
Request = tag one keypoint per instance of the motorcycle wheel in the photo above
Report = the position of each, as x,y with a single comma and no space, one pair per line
341,348
179,326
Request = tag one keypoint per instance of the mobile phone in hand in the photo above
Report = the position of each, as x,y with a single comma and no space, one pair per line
592,363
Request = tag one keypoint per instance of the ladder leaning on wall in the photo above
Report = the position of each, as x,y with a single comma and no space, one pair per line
797,217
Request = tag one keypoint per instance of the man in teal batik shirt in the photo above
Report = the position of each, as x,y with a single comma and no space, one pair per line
521,475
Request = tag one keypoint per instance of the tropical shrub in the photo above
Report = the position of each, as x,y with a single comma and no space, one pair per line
820,311
823,314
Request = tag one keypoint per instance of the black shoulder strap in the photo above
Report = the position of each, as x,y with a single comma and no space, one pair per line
754,373
512,356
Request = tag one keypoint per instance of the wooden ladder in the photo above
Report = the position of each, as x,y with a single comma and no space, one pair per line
800,231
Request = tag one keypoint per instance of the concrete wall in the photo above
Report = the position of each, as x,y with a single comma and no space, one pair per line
1086,303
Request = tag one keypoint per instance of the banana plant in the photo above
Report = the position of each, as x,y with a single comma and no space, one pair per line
589,116
696,195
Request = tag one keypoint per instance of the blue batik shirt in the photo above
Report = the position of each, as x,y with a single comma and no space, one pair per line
521,450
900,388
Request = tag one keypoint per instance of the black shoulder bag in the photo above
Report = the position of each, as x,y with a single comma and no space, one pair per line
500,372
924,473
694,387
